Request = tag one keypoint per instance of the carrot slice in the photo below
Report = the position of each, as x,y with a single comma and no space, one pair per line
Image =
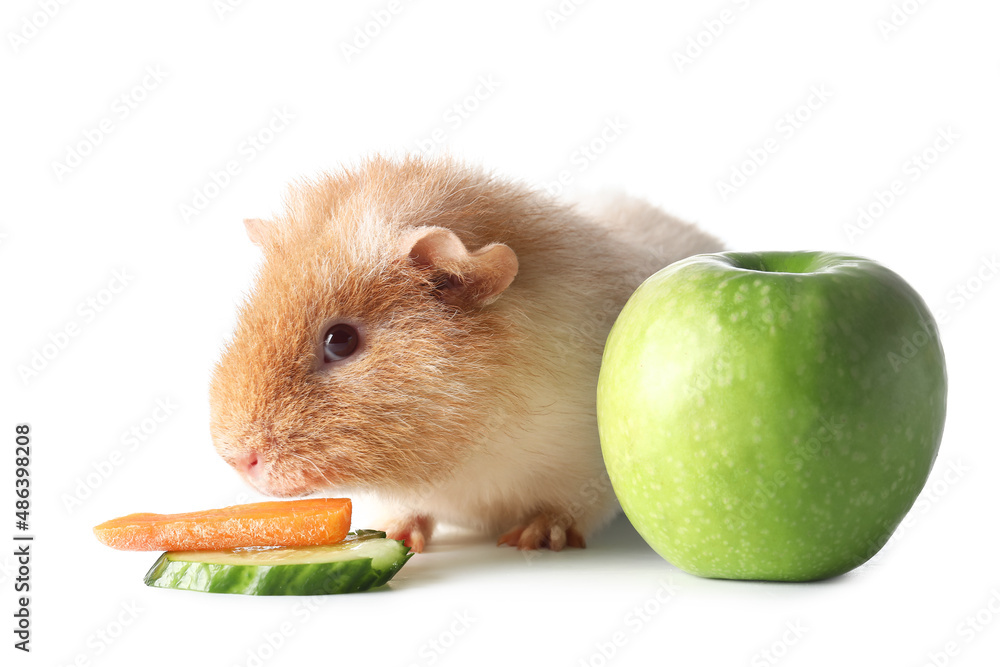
283,523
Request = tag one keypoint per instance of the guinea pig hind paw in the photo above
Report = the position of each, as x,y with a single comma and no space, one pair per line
543,532
511,537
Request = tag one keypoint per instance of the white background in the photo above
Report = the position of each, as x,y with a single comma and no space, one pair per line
684,128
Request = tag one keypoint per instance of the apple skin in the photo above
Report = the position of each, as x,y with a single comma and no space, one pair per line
771,415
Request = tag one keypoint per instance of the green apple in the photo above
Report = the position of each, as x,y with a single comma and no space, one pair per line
771,415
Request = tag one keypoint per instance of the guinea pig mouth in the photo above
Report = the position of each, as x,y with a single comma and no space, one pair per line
283,489
285,481
282,492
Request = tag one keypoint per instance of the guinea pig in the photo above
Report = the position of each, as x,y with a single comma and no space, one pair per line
432,333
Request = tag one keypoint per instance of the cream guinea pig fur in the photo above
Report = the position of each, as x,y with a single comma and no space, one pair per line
478,308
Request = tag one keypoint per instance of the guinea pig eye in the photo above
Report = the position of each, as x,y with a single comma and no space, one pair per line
340,342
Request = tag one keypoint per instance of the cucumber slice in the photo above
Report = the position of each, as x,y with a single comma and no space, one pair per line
363,560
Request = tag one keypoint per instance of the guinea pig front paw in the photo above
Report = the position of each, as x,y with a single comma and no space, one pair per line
545,531
415,531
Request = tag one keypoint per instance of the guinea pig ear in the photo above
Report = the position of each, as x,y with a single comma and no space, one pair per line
259,231
463,278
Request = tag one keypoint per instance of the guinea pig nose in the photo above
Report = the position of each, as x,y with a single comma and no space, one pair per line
249,462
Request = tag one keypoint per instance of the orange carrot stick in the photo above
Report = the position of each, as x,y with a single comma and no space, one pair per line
286,523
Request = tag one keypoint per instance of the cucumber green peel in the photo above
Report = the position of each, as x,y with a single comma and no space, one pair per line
365,559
